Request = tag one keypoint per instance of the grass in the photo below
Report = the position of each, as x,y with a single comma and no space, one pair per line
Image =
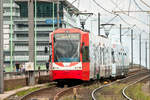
113,92
92,86
102,97
136,92
116,88
22,93
25,92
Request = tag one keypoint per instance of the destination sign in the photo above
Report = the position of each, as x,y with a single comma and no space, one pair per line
67,36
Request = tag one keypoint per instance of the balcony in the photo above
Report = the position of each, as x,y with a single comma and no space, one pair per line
39,29
43,39
9,5
13,14
26,58
25,48
24,20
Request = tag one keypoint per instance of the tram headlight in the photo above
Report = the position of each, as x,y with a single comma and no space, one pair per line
78,68
55,68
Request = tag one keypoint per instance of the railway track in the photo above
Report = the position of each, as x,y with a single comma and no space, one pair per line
46,94
125,88
53,93
108,91
41,93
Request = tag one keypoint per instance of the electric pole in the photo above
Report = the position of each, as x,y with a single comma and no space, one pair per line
131,48
31,39
140,50
120,33
99,25
1,48
146,53
58,14
149,42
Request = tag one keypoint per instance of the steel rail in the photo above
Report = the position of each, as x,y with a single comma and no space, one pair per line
56,97
123,91
40,89
93,97
94,91
61,93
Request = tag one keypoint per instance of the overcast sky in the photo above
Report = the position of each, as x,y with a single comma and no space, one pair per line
138,21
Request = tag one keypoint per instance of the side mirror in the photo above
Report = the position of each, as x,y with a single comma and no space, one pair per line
50,58
50,44
54,39
82,48
46,50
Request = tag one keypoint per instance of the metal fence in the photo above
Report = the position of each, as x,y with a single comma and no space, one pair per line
17,75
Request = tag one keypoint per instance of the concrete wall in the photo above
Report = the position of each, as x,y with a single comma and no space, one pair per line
16,81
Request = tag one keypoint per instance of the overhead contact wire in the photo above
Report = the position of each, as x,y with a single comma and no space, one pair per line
127,14
138,5
103,8
145,3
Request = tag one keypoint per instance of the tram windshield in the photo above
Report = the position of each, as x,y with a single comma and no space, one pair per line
67,47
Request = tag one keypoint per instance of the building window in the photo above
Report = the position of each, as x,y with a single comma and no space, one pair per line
44,9
23,9
42,35
22,35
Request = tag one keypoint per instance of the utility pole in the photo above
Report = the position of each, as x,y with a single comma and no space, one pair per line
58,14
120,33
31,39
149,42
140,50
146,53
99,25
35,33
53,15
1,49
131,48
11,35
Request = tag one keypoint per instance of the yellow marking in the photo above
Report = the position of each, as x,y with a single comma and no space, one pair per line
75,91
105,82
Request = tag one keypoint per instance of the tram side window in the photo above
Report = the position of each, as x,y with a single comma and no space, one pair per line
104,56
113,56
100,55
85,56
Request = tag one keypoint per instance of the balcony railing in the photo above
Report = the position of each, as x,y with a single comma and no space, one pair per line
24,20
26,58
25,48
9,14
25,29
9,5
45,39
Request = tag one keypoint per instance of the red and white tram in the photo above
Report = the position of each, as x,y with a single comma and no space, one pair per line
78,54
